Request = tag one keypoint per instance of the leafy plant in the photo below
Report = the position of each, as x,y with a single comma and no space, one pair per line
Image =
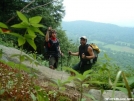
82,80
127,84
32,26
1,52
60,84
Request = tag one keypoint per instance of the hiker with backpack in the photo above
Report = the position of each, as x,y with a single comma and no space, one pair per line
86,55
52,48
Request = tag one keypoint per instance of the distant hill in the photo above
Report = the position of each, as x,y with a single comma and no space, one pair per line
104,32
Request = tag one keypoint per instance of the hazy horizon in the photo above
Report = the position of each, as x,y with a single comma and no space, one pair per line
118,12
118,24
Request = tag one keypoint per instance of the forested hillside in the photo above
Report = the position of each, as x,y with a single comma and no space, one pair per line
108,33
117,42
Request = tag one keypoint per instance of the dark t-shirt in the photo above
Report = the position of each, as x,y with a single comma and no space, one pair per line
52,47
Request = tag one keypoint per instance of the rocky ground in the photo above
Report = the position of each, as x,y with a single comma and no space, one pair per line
45,76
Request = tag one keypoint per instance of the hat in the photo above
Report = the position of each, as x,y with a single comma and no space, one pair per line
83,37
53,31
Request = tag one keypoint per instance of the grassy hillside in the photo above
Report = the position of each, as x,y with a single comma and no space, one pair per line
114,47
119,48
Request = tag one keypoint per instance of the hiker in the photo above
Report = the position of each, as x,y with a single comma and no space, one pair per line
53,48
86,54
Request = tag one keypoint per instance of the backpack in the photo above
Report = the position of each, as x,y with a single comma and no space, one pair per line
96,51
47,46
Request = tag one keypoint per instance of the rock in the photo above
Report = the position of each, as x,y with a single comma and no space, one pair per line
107,95
47,72
96,94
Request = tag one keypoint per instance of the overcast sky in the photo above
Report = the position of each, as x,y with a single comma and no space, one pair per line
119,12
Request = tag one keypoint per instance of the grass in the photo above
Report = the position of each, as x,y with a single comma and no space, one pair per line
97,42
115,47
124,43
119,48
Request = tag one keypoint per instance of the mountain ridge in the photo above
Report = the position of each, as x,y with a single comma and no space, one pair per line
100,31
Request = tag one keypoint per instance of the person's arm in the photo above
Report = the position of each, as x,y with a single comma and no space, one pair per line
60,51
90,51
74,54
47,34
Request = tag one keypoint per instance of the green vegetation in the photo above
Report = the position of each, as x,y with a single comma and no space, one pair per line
119,48
17,82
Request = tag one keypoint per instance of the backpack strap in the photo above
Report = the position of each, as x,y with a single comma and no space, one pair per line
86,47
51,42
96,51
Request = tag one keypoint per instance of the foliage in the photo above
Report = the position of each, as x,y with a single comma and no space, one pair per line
123,59
127,84
65,46
51,11
31,25
9,11
26,90
60,84
82,81
9,86
104,66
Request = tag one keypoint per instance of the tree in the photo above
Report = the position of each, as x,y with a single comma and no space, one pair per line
8,9
51,11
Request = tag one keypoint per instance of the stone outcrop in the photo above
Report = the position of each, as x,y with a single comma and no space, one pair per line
107,95
43,71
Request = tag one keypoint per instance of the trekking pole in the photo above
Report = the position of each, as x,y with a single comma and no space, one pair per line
68,59
61,62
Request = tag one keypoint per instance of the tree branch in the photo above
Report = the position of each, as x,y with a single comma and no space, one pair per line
40,6
20,11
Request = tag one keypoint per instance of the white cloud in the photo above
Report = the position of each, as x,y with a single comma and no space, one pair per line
109,11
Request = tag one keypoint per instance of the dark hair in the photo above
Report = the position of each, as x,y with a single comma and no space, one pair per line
52,31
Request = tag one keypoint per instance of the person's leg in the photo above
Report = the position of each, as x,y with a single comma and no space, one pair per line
76,67
51,62
85,67
56,63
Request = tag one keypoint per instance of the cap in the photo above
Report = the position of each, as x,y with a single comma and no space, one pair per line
83,37
53,31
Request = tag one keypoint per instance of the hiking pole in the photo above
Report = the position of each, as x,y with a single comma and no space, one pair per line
68,59
61,62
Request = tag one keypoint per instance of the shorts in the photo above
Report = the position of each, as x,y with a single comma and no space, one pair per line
81,68
53,61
